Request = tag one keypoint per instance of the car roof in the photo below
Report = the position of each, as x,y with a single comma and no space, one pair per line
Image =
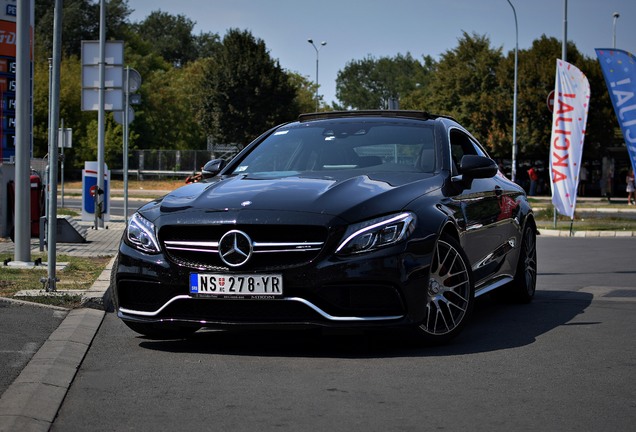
413,114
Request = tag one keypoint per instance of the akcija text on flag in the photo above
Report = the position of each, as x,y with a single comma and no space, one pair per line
571,103
619,70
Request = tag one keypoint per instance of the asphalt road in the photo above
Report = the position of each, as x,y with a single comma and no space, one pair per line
565,362
24,327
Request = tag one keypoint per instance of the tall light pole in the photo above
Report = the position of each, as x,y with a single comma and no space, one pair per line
564,43
322,44
616,15
514,103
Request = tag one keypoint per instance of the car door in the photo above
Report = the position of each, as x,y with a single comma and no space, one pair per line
486,239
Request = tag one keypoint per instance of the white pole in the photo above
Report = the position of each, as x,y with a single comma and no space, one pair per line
564,46
317,49
22,234
53,159
616,15
126,121
101,118
514,109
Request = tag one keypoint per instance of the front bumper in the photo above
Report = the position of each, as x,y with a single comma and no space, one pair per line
384,288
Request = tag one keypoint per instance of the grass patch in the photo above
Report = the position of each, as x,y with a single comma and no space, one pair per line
79,274
62,300
166,184
590,222
610,224
146,189
67,212
597,203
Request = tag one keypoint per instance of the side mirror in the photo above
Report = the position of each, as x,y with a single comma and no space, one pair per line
477,167
212,168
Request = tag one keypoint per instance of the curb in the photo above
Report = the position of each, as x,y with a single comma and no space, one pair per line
32,401
586,234
99,296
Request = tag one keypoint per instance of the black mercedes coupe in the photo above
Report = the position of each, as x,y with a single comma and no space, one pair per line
352,219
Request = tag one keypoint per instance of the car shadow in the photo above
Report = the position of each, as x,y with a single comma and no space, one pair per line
495,325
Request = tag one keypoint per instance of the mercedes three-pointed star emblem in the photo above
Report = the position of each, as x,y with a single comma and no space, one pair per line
235,248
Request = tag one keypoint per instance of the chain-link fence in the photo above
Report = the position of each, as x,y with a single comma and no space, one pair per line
170,163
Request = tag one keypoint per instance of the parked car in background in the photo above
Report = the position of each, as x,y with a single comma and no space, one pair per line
360,219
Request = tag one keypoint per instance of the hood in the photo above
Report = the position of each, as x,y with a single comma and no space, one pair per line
372,194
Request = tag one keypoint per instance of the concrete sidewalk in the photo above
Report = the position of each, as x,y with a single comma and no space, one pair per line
100,242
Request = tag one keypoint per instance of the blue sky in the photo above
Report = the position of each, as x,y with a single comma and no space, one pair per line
354,29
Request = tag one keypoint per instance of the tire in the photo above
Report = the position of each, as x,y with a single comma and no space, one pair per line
524,285
451,293
161,331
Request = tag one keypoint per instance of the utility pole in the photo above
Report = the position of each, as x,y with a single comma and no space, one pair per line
101,117
23,136
50,282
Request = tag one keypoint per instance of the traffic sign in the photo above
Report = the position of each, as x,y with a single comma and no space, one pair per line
118,116
113,76
550,101
134,80
65,138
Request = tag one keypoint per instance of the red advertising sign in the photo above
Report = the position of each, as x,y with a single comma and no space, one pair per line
7,38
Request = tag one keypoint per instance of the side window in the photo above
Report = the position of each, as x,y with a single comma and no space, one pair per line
461,144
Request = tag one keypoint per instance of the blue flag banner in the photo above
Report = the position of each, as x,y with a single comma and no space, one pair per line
619,70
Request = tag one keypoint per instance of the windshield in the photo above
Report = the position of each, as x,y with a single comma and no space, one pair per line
330,145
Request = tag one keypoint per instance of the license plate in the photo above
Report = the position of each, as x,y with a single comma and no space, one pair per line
252,286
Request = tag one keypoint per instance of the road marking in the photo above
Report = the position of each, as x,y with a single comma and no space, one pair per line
26,352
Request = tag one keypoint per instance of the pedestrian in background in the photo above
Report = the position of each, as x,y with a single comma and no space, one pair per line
533,176
583,175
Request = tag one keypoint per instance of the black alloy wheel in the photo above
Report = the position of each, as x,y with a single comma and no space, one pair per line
450,295
524,284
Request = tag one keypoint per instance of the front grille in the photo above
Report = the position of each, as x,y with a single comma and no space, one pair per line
275,247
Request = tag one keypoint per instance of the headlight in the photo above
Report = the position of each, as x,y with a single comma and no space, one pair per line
376,233
140,233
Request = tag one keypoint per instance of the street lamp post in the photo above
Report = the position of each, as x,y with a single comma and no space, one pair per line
322,44
514,103
616,15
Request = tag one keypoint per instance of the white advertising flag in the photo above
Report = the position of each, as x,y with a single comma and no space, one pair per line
571,103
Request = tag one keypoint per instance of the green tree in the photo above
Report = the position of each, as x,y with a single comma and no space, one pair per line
416,97
370,83
305,92
80,22
244,91
464,85
207,44
170,36
167,117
